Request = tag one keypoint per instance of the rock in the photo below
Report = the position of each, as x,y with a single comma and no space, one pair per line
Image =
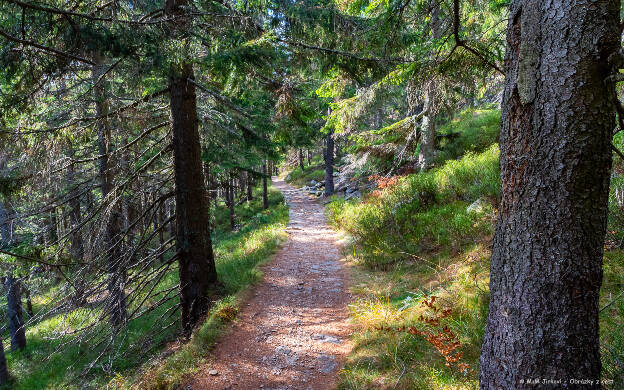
213,372
312,183
325,338
352,195
336,174
319,193
319,185
476,207
327,363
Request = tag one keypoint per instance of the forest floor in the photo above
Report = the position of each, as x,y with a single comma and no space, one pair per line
293,332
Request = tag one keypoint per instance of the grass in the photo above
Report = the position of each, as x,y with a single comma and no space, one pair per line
477,129
409,242
237,256
422,212
415,240
314,171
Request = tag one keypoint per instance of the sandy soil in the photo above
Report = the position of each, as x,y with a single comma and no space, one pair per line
293,331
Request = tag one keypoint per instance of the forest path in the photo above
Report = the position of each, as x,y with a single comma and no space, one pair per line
293,332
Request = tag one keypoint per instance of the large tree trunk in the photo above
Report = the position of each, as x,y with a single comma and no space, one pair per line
14,311
329,163
301,160
557,123
115,267
195,256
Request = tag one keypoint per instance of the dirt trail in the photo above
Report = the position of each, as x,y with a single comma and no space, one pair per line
293,332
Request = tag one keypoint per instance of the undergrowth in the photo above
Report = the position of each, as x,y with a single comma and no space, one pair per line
314,171
237,256
414,241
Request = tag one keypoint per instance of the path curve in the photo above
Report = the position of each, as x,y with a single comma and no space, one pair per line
293,332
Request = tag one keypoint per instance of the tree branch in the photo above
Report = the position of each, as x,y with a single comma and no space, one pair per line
45,48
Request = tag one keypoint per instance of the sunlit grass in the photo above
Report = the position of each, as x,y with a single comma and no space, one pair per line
417,240
237,256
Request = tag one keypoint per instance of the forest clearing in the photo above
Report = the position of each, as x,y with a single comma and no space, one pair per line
313,194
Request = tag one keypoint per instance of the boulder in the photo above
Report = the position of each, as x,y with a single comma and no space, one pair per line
312,183
476,207
353,195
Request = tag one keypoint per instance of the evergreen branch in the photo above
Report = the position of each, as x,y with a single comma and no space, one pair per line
91,17
461,43
220,98
45,48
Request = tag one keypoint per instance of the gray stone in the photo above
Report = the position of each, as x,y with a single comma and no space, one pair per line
352,195
327,363
476,207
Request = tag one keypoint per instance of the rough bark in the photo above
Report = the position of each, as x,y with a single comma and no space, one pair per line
546,266
195,256
265,193
115,267
14,312
329,163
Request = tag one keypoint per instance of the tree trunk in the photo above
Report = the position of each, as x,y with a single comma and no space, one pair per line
546,266
427,129
249,186
308,157
14,311
115,267
427,138
329,163
6,223
77,246
26,290
193,243
230,200
265,192
301,160
4,370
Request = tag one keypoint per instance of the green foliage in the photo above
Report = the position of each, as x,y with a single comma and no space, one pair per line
423,212
237,256
471,131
